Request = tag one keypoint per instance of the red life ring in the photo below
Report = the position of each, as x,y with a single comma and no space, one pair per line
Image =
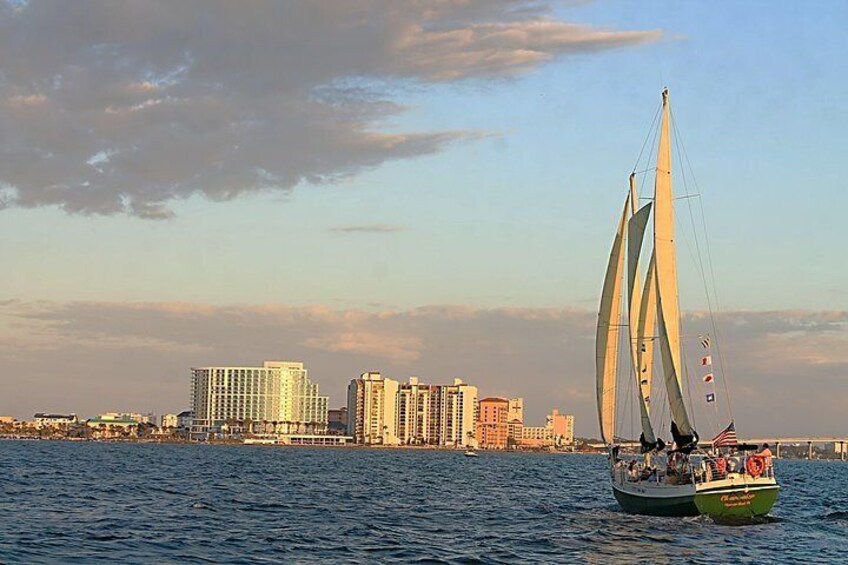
755,465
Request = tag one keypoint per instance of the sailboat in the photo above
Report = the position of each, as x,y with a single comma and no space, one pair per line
687,476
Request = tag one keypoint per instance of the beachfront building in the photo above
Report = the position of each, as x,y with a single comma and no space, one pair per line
372,409
169,421
276,398
459,414
536,436
185,419
337,421
48,420
113,425
562,427
558,431
419,413
492,428
136,417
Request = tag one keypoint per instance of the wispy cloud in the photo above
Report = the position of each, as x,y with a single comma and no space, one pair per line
372,228
91,355
198,98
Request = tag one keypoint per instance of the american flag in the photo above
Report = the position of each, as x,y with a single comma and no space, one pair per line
726,438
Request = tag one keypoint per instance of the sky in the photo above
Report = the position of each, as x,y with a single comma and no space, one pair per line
419,188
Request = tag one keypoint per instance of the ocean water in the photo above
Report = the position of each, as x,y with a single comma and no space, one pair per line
139,503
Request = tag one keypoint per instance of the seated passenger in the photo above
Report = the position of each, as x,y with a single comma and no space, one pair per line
632,471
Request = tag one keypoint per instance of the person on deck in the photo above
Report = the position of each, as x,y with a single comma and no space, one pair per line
765,453
633,471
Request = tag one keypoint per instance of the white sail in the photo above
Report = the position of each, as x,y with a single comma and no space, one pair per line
635,236
645,331
666,270
607,338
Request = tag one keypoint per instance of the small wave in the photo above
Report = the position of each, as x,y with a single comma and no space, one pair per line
202,506
836,516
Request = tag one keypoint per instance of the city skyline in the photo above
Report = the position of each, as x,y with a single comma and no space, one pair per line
391,196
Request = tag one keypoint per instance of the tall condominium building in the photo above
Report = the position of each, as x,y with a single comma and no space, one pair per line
459,414
492,429
419,413
371,409
279,395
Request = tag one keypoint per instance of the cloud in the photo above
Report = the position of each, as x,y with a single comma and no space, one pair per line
372,228
125,107
787,369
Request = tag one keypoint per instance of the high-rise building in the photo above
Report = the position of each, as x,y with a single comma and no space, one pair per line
419,413
492,429
371,409
459,414
278,395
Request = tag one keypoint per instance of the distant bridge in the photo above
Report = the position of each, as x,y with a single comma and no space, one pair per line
810,441
775,441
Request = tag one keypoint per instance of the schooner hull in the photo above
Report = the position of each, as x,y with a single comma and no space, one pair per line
637,503
736,504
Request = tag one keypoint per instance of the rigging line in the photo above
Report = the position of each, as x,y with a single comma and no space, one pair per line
643,171
682,151
655,131
650,129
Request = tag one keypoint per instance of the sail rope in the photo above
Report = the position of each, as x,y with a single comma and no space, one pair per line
647,137
681,151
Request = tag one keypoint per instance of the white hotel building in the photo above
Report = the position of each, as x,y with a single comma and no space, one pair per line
276,397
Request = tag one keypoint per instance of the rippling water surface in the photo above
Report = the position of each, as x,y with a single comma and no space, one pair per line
130,503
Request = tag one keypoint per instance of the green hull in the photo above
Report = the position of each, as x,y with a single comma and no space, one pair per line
654,506
736,503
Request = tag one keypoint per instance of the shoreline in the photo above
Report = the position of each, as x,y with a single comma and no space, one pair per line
147,441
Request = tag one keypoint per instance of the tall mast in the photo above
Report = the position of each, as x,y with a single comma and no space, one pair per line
668,312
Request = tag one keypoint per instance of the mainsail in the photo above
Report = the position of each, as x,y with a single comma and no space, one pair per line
666,272
609,324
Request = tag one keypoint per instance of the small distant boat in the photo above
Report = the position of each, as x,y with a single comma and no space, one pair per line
727,482
470,453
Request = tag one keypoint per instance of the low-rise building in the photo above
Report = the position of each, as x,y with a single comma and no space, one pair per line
536,436
169,421
48,420
558,431
514,431
337,421
112,425
562,426
184,419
